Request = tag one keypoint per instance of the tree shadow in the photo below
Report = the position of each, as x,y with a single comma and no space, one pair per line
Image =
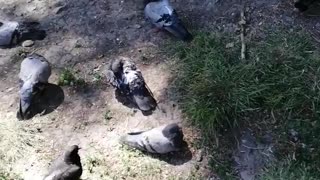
128,101
46,102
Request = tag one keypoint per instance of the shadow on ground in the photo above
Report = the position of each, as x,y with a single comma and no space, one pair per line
175,158
46,102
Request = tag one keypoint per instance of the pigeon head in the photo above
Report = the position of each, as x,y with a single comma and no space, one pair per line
174,133
27,93
71,155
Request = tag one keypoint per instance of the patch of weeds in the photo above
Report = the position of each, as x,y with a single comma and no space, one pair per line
8,176
97,78
91,163
67,78
107,115
276,88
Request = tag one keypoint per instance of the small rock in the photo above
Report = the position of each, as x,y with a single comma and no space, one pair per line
10,89
294,135
230,45
59,8
137,26
28,43
199,156
39,130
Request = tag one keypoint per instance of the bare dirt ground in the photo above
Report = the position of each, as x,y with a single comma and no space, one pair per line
85,36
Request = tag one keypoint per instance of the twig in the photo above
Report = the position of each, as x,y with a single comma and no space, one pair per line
242,26
255,148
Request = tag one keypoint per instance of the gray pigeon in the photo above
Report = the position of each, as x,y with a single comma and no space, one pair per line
66,167
161,140
33,77
13,33
163,16
126,77
309,7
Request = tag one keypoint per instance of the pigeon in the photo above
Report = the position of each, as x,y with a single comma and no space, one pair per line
160,140
309,7
127,78
13,33
33,77
66,167
163,16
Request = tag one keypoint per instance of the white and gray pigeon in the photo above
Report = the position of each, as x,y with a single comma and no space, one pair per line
66,167
126,77
164,16
13,33
34,73
161,140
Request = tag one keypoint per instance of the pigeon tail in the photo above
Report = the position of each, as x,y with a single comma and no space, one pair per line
144,99
131,139
178,29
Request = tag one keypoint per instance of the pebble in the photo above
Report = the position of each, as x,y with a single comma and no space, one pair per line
137,26
28,43
230,45
199,156
58,10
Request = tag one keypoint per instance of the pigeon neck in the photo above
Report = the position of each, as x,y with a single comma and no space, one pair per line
72,158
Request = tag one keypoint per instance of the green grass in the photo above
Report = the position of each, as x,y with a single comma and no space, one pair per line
7,176
107,116
67,78
288,169
276,88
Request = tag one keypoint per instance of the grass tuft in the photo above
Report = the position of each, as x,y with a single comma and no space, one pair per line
288,169
67,78
276,88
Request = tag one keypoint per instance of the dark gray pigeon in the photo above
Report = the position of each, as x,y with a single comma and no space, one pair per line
66,167
13,33
309,7
161,140
126,77
33,77
163,16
